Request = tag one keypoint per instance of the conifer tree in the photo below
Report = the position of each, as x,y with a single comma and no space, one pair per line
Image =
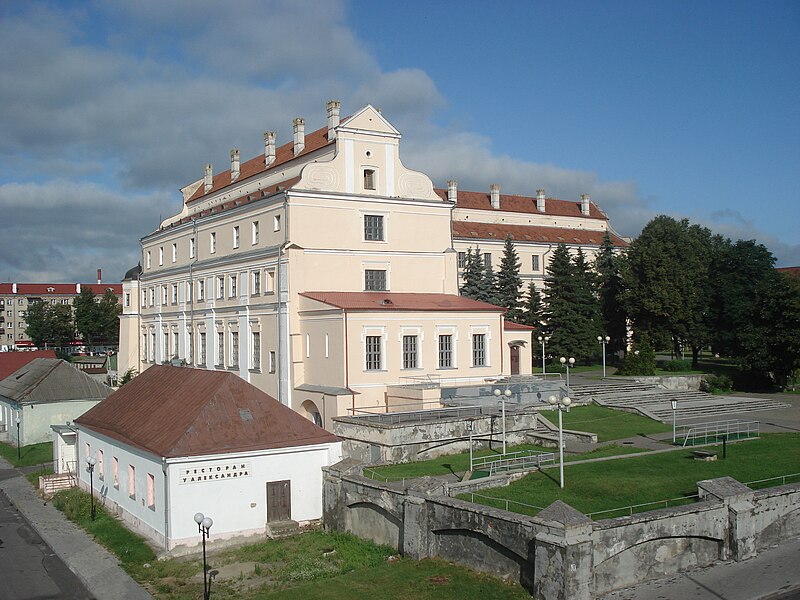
509,282
589,324
560,312
487,291
533,308
473,274
609,290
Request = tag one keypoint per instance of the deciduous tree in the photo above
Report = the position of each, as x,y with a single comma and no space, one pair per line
49,324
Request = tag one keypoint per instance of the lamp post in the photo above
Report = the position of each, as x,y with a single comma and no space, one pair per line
568,364
560,404
603,341
470,428
674,408
503,395
90,463
204,524
19,441
543,341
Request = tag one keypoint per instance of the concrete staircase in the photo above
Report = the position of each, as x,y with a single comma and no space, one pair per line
55,482
282,529
656,402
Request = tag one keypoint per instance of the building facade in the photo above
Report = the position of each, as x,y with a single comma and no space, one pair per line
326,273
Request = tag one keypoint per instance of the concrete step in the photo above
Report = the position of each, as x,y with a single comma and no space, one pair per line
282,529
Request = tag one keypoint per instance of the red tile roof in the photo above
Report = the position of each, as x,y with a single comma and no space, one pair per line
11,361
394,301
523,204
58,289
793,271
173,411
473,230
283,154
511,326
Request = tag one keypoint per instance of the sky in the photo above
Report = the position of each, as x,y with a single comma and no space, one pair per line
107,109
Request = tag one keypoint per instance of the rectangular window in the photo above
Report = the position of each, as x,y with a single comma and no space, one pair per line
234,348
148,261
308,345
445,351
487,259
189,292
144,346
132,481
462,260
535,262
151,491
174,293
160,256
191,248
373,227
127,298
373,353
165,355
479,350
272,361
101,472
201,354
189,348
327,346
201,289
374,280
369,179
152,296
163,295
212,242
256,283
220,349
236,236
409,351
233,280
174,252
254,232
175,344
153,347
220,286
87,451
270,281
255,353
276,223
115,467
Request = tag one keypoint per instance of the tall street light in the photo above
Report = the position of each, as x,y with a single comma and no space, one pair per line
90,463
204,524
503,395
19,440
568,364
674,409
603,341
543,341
470,428
561,405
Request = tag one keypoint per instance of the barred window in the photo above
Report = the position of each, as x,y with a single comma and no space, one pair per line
255,356
479,350
256,282
234,348
373,362
202,349
374,280
535,262
220,348
410,352
445,351
373,227
462,260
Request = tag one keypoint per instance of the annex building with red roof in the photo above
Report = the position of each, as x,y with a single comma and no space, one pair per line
326,273
176,441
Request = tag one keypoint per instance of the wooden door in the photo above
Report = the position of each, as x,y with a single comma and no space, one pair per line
279,501
515,360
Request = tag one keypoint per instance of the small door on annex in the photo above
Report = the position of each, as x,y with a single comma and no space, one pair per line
515,360
279,501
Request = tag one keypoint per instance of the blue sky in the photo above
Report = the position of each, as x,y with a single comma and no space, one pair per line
683,108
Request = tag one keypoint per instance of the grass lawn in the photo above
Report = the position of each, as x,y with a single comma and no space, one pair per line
313,565
34,454
607,423
639,479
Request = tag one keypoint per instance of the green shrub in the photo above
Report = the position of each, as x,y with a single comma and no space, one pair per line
641,360
716,384
675,366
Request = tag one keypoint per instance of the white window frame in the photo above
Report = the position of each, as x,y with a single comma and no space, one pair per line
235,236
212,242
254,232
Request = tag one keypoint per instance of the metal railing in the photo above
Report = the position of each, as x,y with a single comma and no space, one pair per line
637,508
781,478
503,503
375,476
714,431
513,461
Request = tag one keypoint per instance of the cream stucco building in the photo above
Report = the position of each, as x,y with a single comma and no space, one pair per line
325,272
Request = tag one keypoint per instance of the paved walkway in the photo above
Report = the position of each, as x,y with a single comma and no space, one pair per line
94,565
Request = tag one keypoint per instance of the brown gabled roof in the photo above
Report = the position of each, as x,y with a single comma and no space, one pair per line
523,204
283,154
62,289
473,230
11,361
393,301
173,412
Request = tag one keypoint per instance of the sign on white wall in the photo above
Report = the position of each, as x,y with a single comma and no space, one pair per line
215,472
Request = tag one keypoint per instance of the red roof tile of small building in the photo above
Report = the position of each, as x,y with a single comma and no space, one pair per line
11,361
173,412
283,154
394,301
793,271
523,204
58,289
511,326
473,230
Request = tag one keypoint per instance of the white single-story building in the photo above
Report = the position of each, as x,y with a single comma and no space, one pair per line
45,392
177,441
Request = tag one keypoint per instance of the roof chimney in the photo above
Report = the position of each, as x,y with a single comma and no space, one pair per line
452,191
234,164
299,135
494,190
13,288
333,118
77,288
269,147
540,200
99,276
208,181
585,204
